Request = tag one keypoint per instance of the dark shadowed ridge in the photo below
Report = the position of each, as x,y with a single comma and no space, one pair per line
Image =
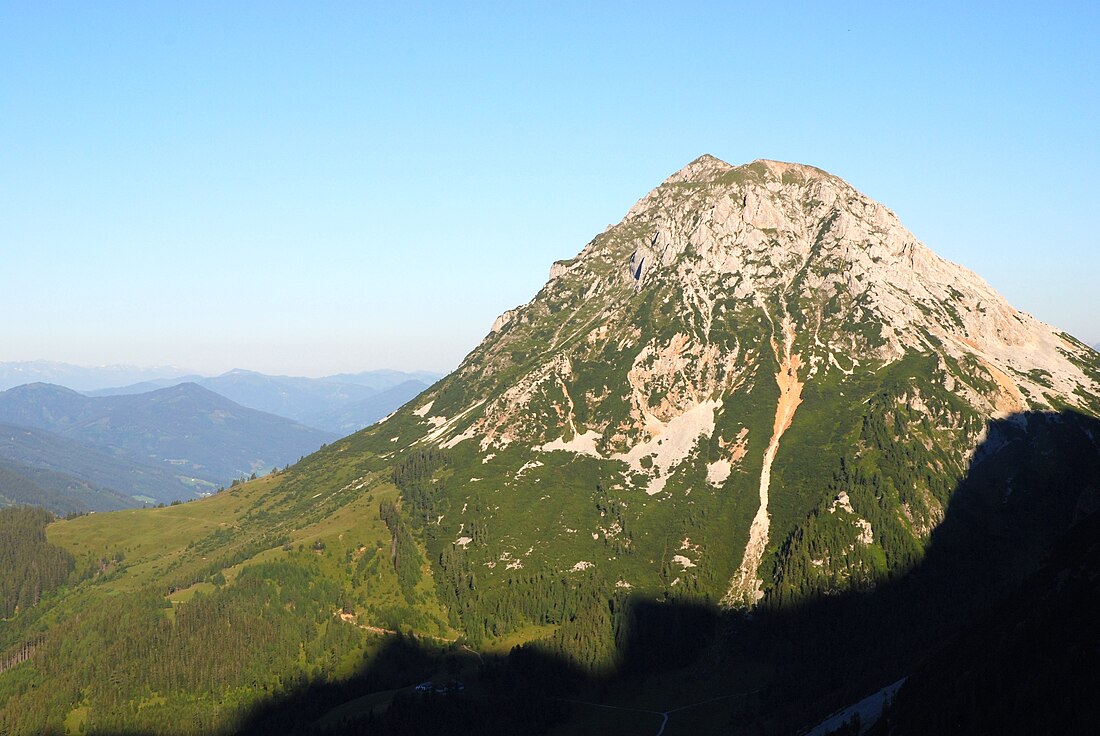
949,623
1026,667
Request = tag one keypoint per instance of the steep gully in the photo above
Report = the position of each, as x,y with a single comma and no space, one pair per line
746,586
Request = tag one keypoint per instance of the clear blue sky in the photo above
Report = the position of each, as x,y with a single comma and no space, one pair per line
318,187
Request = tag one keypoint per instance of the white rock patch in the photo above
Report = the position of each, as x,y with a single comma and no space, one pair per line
683,561
843,502
670,443
581,444
469,434
530,465
718,471
439,429
866,534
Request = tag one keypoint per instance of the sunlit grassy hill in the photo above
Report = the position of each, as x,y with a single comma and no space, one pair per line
268,582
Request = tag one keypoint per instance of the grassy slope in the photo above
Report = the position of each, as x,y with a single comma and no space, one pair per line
162,547
179,551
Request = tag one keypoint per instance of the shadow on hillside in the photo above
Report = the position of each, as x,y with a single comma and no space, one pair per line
1029,667
1033,477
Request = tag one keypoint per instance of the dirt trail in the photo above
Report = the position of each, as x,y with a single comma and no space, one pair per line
745,588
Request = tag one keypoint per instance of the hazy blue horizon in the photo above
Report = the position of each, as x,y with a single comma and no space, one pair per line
342,187
92,378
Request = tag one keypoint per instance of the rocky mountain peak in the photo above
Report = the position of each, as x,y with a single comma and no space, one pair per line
801,251
708,168
731,307
780,169
704,168
772,228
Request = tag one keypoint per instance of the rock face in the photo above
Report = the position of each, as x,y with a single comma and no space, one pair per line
720,363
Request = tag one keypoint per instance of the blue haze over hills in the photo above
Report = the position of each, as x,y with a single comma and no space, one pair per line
341,403
169,437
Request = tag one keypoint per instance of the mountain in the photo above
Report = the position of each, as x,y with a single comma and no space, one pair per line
79,377
42,406
359,414
339,404
143,387
88,478
185,428
381,380
757,369
753,455
286,396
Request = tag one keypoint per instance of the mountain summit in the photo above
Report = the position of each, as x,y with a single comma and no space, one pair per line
708,364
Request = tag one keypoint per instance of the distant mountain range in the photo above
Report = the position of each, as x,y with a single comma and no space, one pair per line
356,415
342,404
170,437
163,445
79,377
